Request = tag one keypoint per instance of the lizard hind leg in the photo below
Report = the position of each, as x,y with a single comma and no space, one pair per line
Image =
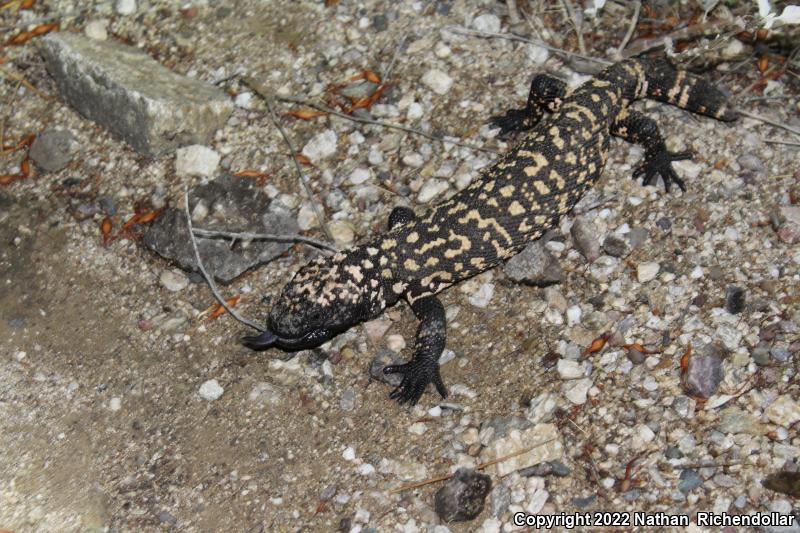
424,366
546,95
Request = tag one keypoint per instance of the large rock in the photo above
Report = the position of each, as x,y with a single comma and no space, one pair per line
151,108
225,204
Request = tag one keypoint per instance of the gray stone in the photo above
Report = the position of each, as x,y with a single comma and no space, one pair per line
462,497
704,373
149,107
233,204
689,480
500,500
53,149
760,355
382,359
735,298
534,265
587,241
616,246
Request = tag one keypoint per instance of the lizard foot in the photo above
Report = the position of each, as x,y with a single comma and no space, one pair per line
660,164
513,121
416,376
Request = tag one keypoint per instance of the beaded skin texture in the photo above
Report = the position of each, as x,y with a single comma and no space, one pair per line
564,138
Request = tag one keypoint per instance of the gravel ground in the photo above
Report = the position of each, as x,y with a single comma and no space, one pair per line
123,409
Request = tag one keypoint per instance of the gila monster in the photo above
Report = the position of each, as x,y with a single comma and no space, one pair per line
511,203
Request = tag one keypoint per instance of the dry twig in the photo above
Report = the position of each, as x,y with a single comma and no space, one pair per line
246,236
301,175
575,24
203,270
769,121
636,9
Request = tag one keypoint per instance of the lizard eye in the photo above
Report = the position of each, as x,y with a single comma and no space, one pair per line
315,316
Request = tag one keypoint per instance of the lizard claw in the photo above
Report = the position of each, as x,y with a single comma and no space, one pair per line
660,164
513,121
416,376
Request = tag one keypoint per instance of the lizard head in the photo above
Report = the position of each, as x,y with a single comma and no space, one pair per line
325,297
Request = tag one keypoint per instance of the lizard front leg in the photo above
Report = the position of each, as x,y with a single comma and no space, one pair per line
546,95
424,366
636,128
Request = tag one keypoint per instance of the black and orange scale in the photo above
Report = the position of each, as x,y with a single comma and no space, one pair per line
562,152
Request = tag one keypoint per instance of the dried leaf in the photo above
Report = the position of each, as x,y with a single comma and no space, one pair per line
306,114
303,160
371,76
597,344
105,229
220,310
8,179
249,173
685,358
25,167
763,64
149,216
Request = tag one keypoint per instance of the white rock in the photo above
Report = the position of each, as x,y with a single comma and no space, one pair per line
784,411
483,296
395,342
431,190
415,111
576,391
365,469
115,404
418,428
343,232
125,7
96,30
360,175
413,160
569,369
487,22
306,217
733,50
174,280
697,272
196,160
244,100
647,271
321,146
642,437
438,81
537,54
210,390
377,328
573,315
349,454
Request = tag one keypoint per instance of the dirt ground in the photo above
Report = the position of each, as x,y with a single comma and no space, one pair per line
102,427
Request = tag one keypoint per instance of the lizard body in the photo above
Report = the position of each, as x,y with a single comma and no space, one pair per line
511,203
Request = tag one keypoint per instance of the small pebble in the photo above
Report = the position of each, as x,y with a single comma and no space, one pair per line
438,81
196,160
210,390
487,23
321,146
174,280
462,497
125,7
647,271
584,233
96,29
483,296
431,190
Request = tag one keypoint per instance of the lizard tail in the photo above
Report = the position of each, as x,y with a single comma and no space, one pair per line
662,81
